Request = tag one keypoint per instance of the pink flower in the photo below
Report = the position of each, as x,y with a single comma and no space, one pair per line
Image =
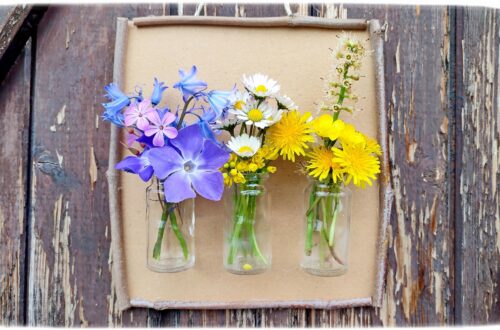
159,127
137,114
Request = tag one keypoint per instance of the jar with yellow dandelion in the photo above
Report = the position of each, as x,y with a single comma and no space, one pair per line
326,233
341,155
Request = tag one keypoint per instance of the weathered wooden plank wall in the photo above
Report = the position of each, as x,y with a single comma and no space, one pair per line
14,169
478,176
442,89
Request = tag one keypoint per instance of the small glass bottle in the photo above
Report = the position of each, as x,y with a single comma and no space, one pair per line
326,229
171,228
247,230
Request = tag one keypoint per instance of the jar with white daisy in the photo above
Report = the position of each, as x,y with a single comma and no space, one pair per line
258,122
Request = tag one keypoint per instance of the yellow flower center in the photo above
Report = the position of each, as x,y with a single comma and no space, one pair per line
245,149
255,115
261,89
247,267
239,104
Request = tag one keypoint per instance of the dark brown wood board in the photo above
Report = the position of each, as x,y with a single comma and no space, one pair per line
441,67
14,155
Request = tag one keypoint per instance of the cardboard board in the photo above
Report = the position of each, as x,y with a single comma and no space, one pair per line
298,56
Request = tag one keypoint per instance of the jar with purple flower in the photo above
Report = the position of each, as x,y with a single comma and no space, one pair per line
177,152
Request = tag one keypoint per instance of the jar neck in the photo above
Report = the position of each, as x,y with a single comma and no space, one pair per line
157,184
330,187
255,178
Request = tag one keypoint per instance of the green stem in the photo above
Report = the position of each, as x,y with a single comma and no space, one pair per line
328,230
312,206
251,220
159,237
178,233
239,220
342,92
183,114
311,216
332,228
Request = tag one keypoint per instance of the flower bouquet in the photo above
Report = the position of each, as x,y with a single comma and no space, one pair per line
182,160
342,155
258,123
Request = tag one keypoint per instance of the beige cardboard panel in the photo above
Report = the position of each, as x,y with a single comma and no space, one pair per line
297,58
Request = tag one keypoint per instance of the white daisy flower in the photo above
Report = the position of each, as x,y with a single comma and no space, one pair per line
244,145
256,114
276,117
240,100
261,85
286,102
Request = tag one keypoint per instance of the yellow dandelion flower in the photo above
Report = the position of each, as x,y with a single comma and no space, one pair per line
349,135
326,126
357,162
239,178
253,167
372,146
321,164
291,134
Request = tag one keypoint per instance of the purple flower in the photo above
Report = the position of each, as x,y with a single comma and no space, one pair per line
219,100
191,165
159,127
114,93
118,101
157,92
138,165
113,115
137,113
189,85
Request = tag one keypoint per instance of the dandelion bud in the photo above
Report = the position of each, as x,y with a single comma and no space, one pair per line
232,164
271,169
354,77
234,172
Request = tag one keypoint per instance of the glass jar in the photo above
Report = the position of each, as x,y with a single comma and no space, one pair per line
170,245
326,229
247,229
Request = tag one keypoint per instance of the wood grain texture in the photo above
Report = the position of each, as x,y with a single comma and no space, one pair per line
442,88
14,117
11,20
478,158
